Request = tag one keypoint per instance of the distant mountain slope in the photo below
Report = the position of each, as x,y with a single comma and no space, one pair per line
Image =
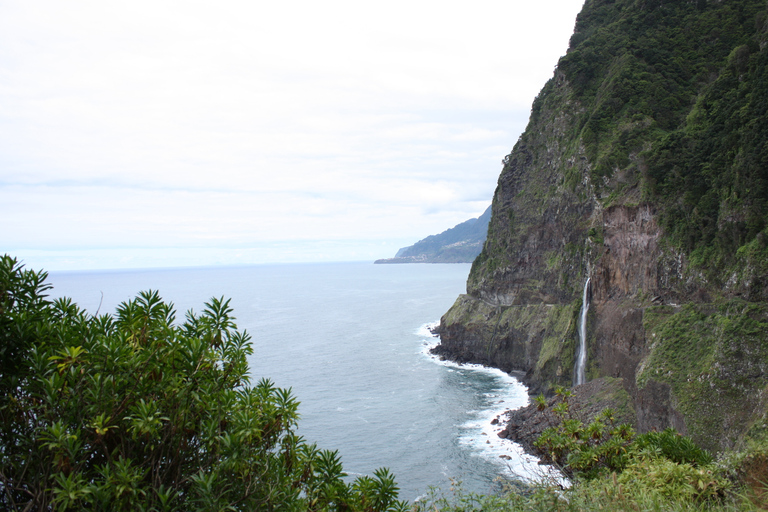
460,244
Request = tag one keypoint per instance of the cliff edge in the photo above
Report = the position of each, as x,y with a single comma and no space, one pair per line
644,168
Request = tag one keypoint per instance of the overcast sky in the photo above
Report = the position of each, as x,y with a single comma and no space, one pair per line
152,133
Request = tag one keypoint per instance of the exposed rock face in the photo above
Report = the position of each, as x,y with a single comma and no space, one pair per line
631,250
633,261
675,331
512,338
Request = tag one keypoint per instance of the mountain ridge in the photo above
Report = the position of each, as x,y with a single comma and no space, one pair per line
459,244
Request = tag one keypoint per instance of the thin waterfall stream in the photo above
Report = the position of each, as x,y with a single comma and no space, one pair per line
581,359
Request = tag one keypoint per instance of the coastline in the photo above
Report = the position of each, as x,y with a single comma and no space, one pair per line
523,425
487,433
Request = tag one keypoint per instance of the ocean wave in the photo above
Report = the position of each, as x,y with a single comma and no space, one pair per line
479,433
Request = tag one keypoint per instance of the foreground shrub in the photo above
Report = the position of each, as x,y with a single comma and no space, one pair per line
138,412
660,466
672,480
583,450
672,446
608,494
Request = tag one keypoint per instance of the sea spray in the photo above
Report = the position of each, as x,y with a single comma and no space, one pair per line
497,392
581,359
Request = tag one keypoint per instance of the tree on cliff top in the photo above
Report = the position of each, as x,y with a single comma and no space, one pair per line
137,412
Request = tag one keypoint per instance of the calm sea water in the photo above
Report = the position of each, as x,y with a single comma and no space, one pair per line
351,340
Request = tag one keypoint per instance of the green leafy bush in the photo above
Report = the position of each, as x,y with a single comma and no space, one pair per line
672,480
583,450
674,447
662,464
138,412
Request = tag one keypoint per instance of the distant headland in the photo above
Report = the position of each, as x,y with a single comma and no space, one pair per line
460,244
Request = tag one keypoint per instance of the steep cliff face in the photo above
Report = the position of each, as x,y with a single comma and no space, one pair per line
644,167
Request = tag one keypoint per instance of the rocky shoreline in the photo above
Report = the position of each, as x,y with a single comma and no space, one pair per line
525,425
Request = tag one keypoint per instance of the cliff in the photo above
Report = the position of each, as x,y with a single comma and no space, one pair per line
644,167
459,244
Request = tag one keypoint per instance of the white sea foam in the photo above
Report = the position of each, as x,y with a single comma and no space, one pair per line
478,433
426,330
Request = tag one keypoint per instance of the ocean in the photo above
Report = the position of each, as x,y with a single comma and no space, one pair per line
351,340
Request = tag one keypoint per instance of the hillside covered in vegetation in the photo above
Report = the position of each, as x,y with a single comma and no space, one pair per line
459,244
643,170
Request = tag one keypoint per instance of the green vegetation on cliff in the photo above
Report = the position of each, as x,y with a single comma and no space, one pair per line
715,358
644,168
656,102
674,98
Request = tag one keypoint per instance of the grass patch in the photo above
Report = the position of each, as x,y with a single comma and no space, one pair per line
715,359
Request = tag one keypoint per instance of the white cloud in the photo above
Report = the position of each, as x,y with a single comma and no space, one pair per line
167,124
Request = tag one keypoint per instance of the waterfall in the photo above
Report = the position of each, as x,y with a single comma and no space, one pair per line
581,359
